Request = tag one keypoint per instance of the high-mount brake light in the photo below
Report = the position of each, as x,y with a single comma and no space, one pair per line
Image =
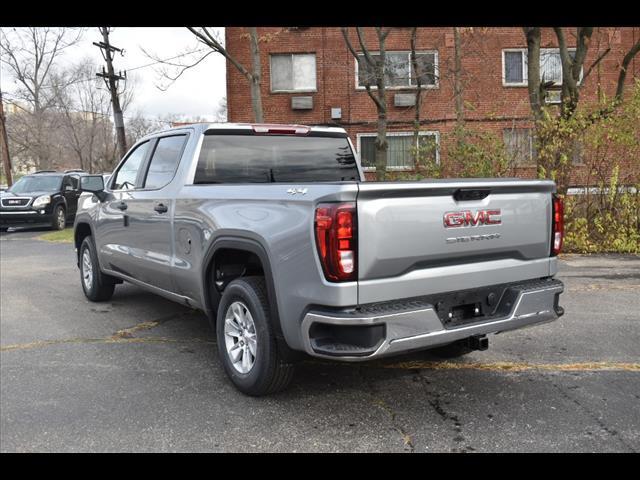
336,240
557,225
280,129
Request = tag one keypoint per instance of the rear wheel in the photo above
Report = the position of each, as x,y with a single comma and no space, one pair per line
246,343
96,285
59,220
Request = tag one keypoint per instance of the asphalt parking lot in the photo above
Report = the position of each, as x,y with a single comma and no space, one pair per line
139,373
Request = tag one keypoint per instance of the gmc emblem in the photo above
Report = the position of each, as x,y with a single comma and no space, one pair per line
466,218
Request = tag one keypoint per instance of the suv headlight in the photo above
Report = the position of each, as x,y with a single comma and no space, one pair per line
42,201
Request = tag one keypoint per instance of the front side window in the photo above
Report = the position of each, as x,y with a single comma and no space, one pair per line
293,72
401,151
229,158
125,178
71,182
164,161
399,71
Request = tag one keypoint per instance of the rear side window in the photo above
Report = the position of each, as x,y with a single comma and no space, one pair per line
126,175
164,161
232,158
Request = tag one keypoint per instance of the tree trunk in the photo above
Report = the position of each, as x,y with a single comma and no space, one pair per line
6,159
457,77
533,70
416,121
256,75
382,146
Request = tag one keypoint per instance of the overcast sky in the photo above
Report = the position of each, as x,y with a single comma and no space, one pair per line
196,93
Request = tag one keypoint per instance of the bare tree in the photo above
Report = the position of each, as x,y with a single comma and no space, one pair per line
81,105
209,38
372,70
31,53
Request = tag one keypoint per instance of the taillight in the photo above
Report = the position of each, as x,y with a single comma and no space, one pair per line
336,225
557,225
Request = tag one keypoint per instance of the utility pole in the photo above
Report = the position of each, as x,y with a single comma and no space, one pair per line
111,80
6,160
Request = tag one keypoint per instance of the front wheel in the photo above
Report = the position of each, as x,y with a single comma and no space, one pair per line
246,343
97,286
59,220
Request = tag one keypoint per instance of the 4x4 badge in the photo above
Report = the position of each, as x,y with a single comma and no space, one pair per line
293,191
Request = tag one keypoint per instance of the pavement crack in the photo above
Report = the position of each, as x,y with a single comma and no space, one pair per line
407,441
612,432
433,399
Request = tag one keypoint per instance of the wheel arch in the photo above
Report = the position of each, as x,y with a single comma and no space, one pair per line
251,247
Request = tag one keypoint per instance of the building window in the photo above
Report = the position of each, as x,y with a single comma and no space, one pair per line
293,72
400,154
519,145
514,66
399,70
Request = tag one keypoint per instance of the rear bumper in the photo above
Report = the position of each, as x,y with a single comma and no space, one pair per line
24,217
414,324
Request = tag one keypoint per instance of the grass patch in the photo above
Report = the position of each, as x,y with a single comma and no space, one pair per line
58,236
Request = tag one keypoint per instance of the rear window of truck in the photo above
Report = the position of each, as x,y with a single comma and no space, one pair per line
242,158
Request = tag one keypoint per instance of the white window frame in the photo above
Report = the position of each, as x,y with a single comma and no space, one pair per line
525,73
292,54
436,70
434,133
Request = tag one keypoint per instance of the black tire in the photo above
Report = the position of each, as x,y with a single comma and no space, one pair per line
4,229
270,373
453,350
102,286
56,222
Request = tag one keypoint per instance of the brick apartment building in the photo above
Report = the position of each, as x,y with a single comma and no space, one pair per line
310,77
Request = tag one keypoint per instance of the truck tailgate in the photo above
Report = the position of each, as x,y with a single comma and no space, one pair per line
418,238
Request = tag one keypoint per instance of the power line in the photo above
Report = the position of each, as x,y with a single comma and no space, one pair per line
88,79
128,117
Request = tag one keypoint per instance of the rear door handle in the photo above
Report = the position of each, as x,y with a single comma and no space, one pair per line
161,208
121,206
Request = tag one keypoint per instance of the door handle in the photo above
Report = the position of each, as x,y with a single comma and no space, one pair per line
161,208
121,206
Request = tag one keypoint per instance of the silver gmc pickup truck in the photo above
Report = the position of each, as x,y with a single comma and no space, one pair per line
273,232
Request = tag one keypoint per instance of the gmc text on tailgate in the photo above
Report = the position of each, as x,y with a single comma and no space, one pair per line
272,231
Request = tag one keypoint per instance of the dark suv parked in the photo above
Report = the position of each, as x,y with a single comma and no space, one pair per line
42,198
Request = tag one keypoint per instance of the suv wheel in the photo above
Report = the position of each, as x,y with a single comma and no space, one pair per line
96,285
59,220
246,343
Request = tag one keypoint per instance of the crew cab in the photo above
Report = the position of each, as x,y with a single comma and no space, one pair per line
273,232
44,198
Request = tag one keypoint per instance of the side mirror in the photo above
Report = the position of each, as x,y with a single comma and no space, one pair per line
93,184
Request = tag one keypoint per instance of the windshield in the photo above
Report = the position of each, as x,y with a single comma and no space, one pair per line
275,158
49,183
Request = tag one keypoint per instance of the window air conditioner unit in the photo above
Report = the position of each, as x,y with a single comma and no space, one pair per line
302,103
554,96
404,99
